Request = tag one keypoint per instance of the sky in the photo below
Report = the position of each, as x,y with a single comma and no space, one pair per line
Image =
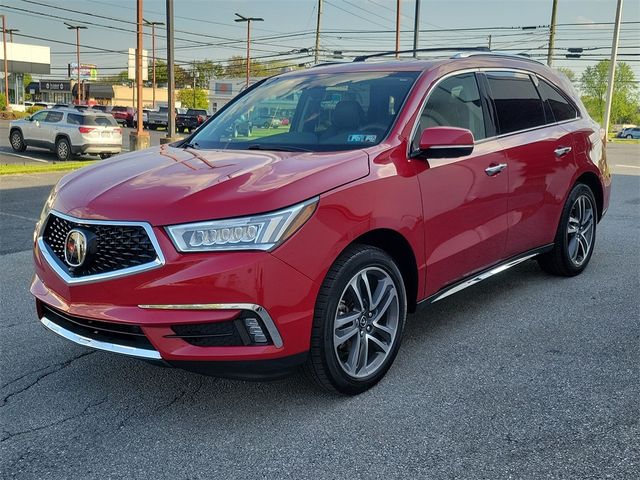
206,28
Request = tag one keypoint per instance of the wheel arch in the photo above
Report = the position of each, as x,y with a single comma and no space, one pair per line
398,248
13,129
591,180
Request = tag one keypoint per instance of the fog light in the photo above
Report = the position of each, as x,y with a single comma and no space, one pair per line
255,330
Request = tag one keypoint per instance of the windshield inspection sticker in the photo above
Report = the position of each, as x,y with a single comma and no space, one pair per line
360,138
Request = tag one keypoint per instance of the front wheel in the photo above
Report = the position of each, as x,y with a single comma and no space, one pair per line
576,235
358,323
17,141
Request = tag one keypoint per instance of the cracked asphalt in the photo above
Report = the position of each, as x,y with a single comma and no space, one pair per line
522,376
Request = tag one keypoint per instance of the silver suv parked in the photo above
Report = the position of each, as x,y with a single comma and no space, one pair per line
68,132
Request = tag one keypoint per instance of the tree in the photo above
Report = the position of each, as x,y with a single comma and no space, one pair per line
186,97
237,67
594,82
570,74
181,77
26,80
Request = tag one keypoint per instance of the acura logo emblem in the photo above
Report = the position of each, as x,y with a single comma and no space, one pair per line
75,248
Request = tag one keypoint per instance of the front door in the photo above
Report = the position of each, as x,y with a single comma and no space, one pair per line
464,198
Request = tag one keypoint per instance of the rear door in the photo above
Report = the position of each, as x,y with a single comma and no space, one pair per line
464,198
539,154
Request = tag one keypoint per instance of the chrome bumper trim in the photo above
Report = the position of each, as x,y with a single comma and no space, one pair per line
260,311
99,345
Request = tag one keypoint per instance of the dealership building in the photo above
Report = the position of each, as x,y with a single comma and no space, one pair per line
21,59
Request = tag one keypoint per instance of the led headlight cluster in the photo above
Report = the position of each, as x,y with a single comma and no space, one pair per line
257,232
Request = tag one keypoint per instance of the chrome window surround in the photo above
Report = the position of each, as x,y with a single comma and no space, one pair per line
100,345
482,70
257,309
53,263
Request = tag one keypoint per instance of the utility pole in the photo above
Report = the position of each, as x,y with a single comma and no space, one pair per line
171,87
139,139
153,58
317,50
416,29
6,64
77,28
10,32
489,42
248,20
612,70
397,27
195,75
552,32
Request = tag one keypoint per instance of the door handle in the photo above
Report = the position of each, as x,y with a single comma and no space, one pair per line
561,151
495,169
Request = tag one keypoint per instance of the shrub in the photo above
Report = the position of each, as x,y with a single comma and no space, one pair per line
33,109
3,102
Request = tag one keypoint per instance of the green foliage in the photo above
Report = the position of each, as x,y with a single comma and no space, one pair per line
237,68
186,97
3,102
625,104
26,80
181,79
33,109
570,74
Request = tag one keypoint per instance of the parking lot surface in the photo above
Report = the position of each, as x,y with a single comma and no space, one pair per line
524,375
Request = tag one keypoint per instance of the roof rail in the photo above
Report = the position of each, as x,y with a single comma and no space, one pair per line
363,58
520,56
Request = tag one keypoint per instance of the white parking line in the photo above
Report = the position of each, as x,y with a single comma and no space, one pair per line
24,156
626,166
19,216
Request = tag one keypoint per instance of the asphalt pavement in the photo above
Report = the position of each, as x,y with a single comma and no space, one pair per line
523,376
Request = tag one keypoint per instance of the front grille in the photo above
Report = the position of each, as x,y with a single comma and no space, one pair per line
117,333
117,246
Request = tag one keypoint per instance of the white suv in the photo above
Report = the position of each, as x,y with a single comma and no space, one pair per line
68,132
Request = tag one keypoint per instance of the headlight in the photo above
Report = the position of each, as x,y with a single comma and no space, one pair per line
44,213
257,232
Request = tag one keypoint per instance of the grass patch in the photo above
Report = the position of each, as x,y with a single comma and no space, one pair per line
16,169
631,141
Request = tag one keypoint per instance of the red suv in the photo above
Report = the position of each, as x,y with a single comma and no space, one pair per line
124,115
394,184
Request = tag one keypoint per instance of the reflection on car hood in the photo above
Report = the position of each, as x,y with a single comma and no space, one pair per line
167,185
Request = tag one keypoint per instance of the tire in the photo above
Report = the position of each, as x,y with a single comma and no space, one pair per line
576,235
338,363
63,149
104,156
629,136
17,141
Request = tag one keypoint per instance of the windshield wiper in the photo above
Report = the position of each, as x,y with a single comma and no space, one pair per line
191,145
277,148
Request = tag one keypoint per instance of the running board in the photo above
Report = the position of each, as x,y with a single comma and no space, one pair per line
501,267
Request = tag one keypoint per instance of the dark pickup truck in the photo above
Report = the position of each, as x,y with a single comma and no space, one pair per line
191,120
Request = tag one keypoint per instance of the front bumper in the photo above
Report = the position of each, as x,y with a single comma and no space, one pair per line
193,289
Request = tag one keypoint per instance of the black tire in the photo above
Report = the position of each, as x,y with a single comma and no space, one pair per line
629,136
559,261
323,365
152,127
104,156
17,141
63,149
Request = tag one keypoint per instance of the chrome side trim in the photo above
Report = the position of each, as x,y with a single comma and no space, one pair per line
501,267
260,311
53,262
99,345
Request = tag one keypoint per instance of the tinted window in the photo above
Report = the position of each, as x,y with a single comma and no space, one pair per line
39,116
454,102
517,102
53,117
91,120
558,105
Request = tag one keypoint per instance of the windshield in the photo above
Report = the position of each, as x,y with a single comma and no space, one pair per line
311,112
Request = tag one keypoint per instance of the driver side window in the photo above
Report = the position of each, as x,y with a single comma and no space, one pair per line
39,116
454,102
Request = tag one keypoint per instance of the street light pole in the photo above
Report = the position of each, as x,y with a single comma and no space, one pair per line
612,70
317,50
416,28
171,94
397,28
248,20
552,32
77,28
153,57
10,32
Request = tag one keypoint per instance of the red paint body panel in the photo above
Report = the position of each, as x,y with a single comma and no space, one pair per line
454,218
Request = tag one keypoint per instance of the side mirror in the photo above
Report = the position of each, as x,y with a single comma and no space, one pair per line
445,142
29,118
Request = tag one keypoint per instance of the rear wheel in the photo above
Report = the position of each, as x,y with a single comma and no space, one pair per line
358,322
104,156
17,142
63,149
576,235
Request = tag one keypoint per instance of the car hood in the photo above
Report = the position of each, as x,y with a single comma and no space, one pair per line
167,185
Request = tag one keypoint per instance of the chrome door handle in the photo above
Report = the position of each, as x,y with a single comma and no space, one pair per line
495,169
561,151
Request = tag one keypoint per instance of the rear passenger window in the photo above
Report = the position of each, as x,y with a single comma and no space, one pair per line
559,106
53,117
454,102
517,102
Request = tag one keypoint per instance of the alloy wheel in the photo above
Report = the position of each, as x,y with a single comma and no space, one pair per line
580,230
63,150
16,141
366,322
